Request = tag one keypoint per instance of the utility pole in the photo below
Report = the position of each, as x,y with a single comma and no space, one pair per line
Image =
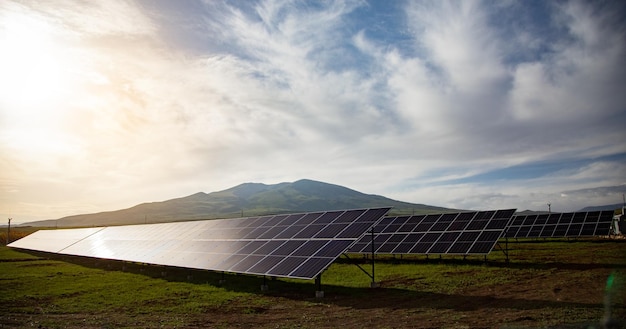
9,231
549,208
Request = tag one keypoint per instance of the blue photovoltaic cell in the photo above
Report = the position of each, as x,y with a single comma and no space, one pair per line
352,228
403,248
307,219
332,248
250,247
288,248
387,248
330,231
293,245
230,261
310,267
548,230
328,217
561,225
421,248
268,247
603,227
553,219
573,229
382,224
268,263
347,217
246,263
464,233
286,266
410,224
309,248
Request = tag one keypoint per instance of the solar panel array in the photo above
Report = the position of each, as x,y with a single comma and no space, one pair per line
560,225
463,233
294,245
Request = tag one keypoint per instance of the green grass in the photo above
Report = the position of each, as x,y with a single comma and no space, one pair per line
71,292
57,287
41,287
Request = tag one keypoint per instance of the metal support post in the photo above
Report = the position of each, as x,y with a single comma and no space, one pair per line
373,284
264,286
319,293
9,232
506,243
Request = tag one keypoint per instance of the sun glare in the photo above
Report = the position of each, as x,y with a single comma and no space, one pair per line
31,64
35,85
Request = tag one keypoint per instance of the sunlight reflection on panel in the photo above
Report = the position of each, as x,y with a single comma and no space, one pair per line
296,246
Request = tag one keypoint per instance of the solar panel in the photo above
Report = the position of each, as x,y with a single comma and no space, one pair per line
53,240
561,225
295,245
463,233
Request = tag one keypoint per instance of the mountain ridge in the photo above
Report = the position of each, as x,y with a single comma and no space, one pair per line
246,199
604,207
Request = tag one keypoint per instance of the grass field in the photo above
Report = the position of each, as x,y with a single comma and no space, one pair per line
565,284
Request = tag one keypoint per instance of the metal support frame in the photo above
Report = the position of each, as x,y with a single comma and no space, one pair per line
504,250
9,232
360,268
373,284
319,293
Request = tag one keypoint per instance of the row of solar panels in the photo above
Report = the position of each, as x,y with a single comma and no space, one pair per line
476,232
296,245
559,225
303,245
463,233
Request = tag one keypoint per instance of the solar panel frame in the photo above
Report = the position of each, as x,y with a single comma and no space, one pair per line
287,245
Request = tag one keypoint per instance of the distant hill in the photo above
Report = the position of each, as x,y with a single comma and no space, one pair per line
248,199
606,207
529,212
592,208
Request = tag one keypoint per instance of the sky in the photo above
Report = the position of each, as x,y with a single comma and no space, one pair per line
461,104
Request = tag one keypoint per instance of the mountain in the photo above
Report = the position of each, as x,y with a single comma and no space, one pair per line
606,207
529,212
586,209
248,199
